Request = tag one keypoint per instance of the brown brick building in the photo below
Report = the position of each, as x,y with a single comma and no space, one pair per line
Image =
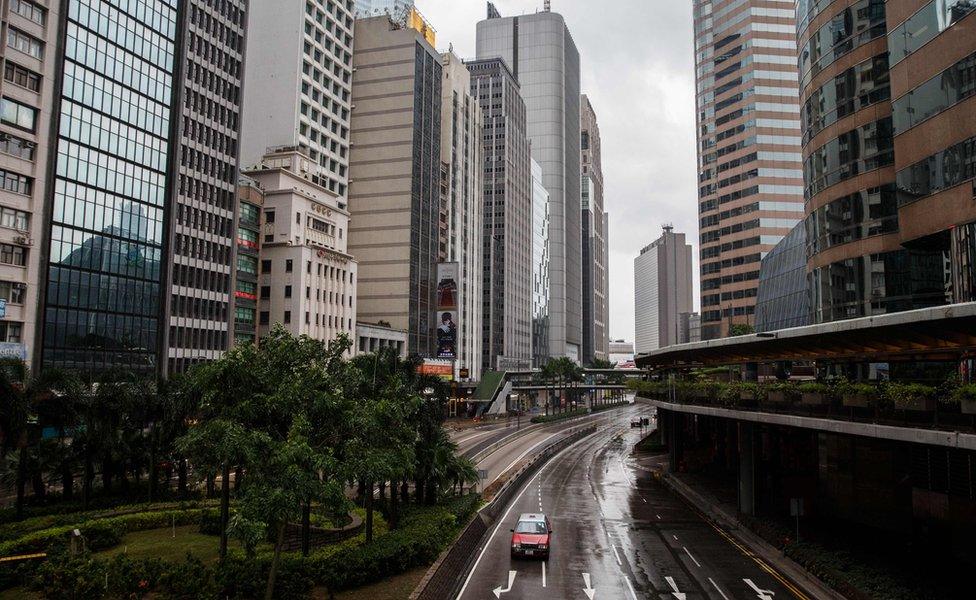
888,113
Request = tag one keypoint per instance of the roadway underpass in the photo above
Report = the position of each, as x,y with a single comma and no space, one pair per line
618,534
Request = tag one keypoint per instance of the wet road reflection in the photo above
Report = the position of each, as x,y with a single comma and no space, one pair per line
617,534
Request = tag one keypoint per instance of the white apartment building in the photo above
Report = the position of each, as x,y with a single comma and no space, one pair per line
29,55
307,281
299,85
461,205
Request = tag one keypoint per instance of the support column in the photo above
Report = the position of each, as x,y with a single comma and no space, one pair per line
747,468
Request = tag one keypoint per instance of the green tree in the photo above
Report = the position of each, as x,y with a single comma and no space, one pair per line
738,329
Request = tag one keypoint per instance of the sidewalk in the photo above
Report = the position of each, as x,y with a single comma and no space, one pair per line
721,510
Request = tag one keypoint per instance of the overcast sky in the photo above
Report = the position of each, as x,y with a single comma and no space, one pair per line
637,69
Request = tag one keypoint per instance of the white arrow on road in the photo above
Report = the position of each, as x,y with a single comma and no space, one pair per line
678,595
589,590
511,579
763,594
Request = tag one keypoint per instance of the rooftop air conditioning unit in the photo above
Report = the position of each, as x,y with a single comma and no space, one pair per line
24,240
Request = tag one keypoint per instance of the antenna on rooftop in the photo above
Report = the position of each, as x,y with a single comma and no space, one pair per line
668,227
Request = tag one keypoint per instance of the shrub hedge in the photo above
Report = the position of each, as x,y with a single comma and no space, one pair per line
423,533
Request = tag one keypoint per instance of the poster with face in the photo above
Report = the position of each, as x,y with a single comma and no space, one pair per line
446,316
447,334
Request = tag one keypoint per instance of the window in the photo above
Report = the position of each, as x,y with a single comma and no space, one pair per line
265,266
28,10
247,287
17,74
10,332
287,291
17,114
289,265
269,216
249,212
14,219
265,292
287,317
12,292
15,182
13,255
247,264
264,317
18,40
244,315
16,146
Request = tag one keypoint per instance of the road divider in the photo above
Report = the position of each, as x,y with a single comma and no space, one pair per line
445,578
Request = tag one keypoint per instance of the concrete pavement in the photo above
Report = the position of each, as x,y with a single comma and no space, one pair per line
618,534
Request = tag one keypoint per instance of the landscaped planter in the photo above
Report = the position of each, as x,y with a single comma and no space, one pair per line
776,397
749,396
858,400
917,404
813,398
968,406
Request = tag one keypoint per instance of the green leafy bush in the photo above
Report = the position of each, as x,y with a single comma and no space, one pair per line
905,395
813,387
965,392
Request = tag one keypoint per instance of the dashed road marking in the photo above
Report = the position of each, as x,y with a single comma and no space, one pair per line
633,594
698,564
619,563
717,589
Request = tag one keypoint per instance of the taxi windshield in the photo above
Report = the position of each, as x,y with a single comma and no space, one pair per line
531,527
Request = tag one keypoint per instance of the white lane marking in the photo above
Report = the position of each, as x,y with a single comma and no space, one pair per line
619,564
521,456
500,590
763,594
644,499
544,575
678,595
633,594
691,557
589,590
718,589
498,526
675,537
658,516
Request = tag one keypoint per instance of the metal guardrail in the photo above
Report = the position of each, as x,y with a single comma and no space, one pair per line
443,580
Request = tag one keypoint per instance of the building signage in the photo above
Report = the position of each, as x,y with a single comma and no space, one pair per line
3,308
443,369
446,318
13,350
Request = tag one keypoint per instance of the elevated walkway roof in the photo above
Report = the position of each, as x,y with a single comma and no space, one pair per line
938,333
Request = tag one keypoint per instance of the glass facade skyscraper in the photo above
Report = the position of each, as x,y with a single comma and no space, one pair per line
544,59
106,239
540,269
783,299
750,173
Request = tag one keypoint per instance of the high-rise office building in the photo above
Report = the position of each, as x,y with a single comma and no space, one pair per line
396,172
299,92
199,308
540,269
508,204
596,314
662,291
890,141
30,59
544,60
749,165
106,249
461,206
307,279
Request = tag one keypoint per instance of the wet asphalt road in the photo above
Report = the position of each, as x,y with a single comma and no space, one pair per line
619,530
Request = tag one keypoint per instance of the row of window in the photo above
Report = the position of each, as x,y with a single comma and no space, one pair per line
100,212
264,318
203,220
201,279
853,27
85,126
202,191
928,22
104,95
15,182
210,80
91,50
107,20
869,212
15,146
18,115
207,50
11,332
28,44
858,151
102,292
217,29
945,169
197,339
212,109
21,76
12,218
856,88
936,95
13,292
198,308
194,247
717,282
13,255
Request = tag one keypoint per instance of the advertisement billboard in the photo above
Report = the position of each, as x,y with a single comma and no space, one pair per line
442,369
447,303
